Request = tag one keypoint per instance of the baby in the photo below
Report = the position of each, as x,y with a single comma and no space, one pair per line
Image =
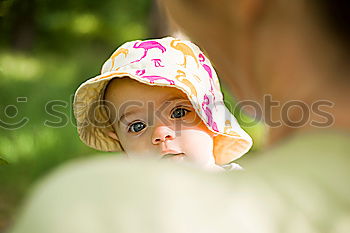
160,98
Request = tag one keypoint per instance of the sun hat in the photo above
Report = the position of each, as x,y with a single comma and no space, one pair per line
162,62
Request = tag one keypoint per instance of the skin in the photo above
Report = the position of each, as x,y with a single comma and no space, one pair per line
159,122
278,48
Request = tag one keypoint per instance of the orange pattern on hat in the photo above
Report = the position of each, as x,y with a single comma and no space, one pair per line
228,129
117,53
185,50
181,77
198,79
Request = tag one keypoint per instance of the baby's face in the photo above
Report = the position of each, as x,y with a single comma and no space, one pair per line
158,121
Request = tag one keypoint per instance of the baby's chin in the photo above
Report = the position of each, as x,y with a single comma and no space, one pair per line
181,158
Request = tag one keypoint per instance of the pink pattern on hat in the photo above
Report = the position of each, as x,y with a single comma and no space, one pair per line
209,114
153,78
157,62
146,45
210,73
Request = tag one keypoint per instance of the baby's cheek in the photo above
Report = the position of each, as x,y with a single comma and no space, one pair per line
193,121
137,146
131,146
197,145
200,126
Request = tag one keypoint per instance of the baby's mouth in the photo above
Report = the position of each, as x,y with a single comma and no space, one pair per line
171,155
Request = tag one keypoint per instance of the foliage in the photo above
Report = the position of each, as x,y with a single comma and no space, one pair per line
47,48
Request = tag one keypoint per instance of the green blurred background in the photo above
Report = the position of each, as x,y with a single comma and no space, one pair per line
47,48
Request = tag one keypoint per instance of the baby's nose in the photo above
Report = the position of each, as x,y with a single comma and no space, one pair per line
161,134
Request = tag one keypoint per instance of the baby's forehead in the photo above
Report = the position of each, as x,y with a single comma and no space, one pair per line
124,82
125,90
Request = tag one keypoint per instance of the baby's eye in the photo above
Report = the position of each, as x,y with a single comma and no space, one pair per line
136,127
179,112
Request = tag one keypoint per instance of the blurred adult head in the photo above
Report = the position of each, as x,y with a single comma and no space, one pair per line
293,52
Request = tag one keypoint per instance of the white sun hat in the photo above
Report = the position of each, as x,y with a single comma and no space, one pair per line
162,62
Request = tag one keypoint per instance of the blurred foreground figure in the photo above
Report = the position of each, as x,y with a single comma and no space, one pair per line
107,195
